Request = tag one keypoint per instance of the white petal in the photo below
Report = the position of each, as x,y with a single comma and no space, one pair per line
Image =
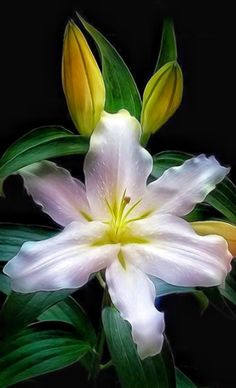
180,188
178,255
60,195
133,294
115,162
64,261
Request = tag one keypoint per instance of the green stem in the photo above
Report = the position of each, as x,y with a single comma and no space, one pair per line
95,369
100,280
144,138
106,365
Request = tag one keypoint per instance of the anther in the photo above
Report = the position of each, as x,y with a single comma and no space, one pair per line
127,200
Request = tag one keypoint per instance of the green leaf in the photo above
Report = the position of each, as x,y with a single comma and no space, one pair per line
37,351
166,159
152,372
201,299
12,236
168,49
19,310
222,198
202,211
71,312
182,381
39,144
163,288
217,300
5,286
203,295
121,90
228,290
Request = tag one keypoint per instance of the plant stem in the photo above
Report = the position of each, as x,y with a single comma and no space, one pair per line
144,139
100,280
106,365
95,369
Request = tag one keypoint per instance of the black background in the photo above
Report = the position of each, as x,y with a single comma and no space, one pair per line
31,96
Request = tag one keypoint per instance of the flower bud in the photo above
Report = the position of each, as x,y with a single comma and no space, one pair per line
162,96
82,81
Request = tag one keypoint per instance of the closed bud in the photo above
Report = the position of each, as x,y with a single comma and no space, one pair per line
82,81
162,96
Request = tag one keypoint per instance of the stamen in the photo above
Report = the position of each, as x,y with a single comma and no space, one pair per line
118,222
141,217
123,203
127,200
119,217
131,209
110,208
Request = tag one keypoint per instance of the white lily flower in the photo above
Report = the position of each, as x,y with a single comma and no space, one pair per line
119,223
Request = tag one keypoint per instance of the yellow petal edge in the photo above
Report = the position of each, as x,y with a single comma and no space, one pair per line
224,229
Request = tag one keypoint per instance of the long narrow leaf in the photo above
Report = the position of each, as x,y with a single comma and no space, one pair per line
228,290
152,372
5,286
168,49
219,302
12,236
182,381
121,90
37,351
71,312
25,308
163,288
39,144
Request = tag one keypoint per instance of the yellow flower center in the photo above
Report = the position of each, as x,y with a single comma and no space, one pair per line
118,225
118,222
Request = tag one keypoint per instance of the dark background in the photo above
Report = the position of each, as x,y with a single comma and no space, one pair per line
31,96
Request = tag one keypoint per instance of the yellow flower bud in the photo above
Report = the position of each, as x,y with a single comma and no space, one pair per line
162,96
82,81
224,229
